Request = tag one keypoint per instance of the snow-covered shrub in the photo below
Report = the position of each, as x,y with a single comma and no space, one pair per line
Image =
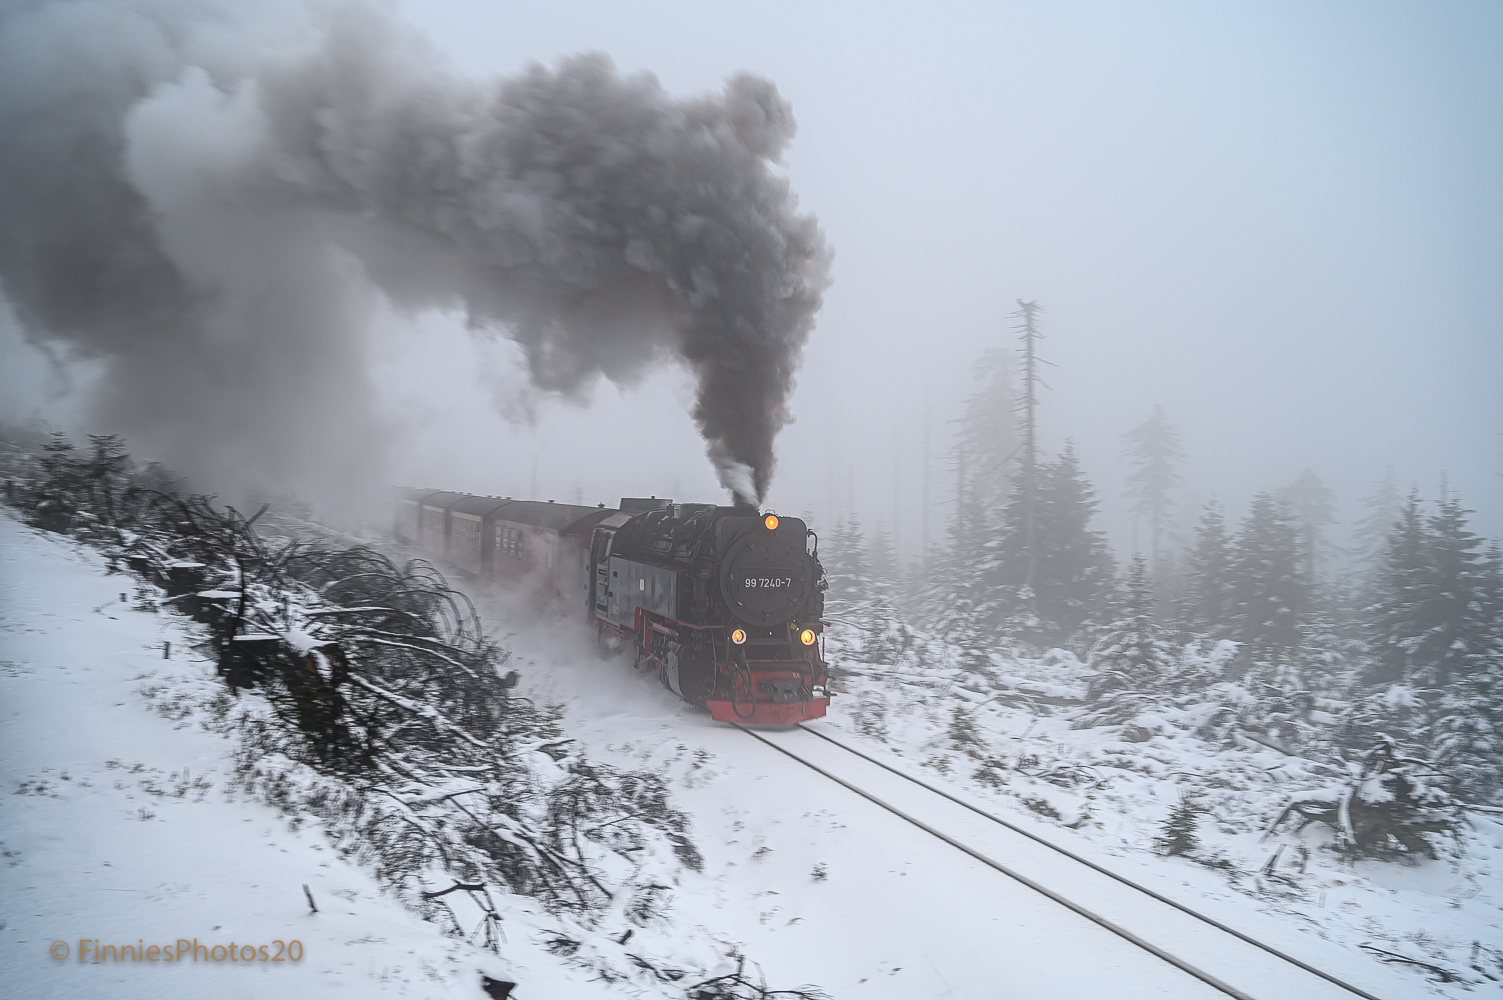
1392,713
72,492
381,680
1387,806
1177,834
1132,660
962,730
1466,736
870,715
1199,664
376,702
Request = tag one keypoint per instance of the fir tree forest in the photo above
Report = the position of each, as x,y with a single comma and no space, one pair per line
1378,647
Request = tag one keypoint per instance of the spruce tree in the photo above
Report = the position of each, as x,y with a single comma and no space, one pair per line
1154,450
955,586
58,495
1072,565
1381,508
1077,564
985,457
1398,615
1457,619
988,433
1131,659
1460,655
1177,834
844,557
1314,508
103,476
1208,606
1492,588
1269,594
1435,629
1467,734
884,558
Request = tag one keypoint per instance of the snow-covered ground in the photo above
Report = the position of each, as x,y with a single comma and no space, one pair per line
765,825
812,881
120,824
1105,792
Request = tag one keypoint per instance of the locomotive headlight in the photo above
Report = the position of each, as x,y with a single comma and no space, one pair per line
807,637
738,636
771,520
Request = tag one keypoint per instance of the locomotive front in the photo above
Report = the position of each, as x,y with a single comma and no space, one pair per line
726,603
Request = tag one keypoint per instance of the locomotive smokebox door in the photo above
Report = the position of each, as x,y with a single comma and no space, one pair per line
766,575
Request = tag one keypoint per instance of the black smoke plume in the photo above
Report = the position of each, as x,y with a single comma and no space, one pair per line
213,201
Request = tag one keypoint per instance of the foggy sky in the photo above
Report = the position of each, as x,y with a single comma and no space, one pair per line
1282,224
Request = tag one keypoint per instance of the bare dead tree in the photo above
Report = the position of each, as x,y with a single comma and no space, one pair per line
1029,336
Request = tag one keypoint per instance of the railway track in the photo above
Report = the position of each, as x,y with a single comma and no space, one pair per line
1218,955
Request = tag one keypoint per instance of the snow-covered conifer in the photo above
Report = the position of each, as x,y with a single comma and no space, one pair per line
1313,505
1403,587
1131,653
1269,594
1208,605
989,432
844,558
1073,567
1381,508
884,558
962,579
1459,654
1177,834
1434,620
1131,659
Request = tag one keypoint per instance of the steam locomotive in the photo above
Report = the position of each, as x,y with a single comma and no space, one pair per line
725,602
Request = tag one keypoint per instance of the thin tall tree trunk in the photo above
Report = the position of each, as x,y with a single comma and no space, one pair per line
897,496
959,495
924,513
1029,334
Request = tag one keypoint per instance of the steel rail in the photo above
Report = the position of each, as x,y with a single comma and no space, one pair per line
1044,890
1212,921
1056,897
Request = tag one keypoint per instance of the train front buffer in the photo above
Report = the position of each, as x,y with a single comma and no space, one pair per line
770,677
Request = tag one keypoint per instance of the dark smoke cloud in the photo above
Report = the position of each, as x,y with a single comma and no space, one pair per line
216,208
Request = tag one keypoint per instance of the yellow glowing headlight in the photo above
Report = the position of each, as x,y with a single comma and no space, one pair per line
807,637
771,520
738,636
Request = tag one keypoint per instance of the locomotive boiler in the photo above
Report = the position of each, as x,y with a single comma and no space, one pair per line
724,601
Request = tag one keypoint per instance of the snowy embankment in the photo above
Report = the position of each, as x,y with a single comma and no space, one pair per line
1006,742
122,824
